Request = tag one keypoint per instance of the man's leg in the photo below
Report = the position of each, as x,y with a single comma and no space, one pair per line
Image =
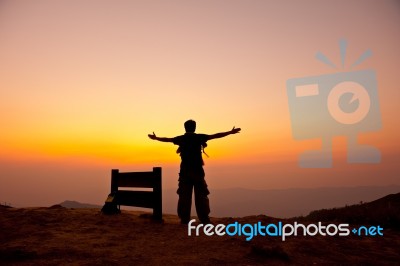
185,201
201,201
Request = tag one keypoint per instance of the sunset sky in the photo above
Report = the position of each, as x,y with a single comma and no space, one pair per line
82,83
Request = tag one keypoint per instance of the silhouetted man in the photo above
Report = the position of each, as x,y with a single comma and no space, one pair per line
191,174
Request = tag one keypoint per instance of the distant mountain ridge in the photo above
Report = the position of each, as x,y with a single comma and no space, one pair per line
384,211
280,203
78,205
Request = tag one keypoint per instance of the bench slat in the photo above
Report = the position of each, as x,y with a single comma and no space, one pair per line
136,179
143,199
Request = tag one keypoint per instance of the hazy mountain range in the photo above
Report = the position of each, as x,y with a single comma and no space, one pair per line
78,205
283,203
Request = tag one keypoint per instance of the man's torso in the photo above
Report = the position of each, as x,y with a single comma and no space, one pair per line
190,147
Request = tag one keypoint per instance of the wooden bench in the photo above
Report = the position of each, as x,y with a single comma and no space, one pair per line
145,199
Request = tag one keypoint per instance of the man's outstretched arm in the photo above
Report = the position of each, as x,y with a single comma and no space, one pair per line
154,137
224,134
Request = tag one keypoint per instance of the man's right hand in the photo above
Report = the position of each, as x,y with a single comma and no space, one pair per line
153,136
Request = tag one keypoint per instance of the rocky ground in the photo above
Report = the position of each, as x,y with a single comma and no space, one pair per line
58,236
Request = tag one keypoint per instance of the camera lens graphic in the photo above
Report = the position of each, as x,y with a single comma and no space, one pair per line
348,110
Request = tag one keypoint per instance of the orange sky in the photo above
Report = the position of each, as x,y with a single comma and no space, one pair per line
82,83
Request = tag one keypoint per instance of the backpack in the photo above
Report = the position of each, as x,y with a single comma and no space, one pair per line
110,206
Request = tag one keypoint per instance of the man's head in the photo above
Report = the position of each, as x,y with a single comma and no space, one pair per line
190,126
